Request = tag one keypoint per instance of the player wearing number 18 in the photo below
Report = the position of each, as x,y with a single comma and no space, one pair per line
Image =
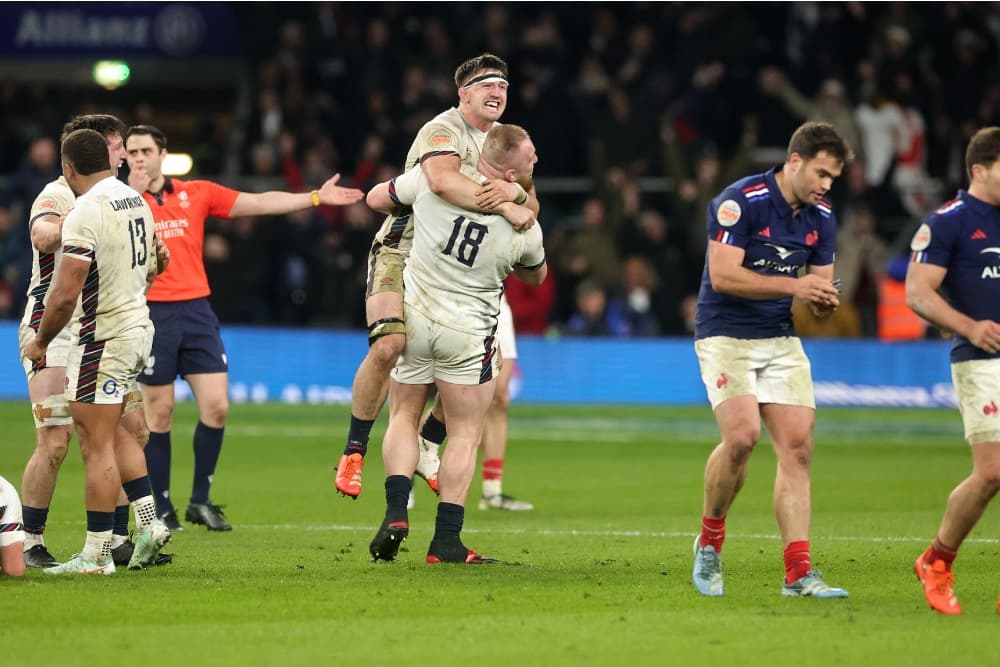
454,280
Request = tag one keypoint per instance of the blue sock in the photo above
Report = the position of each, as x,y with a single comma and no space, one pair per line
207,447
158,465
98,522
357,436
450,518
433,430
121,520
137,488
397,492
34,519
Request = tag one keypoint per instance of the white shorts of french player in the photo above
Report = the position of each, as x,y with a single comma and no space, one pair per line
977,383
105,372
434,351
774,370
55,355
505,331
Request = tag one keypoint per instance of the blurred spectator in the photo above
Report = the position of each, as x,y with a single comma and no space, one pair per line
591,250
861,260
642,306
532,306
38,168
895,319
830,104
594,315
841,323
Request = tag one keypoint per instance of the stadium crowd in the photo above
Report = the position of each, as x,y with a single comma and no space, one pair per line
652,107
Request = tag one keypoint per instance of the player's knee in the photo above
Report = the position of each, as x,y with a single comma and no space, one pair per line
501,399
740,443
386,350
53,443
990,475
798,450
214,414
159,417
140,430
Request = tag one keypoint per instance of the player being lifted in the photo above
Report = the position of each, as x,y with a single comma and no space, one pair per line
444,148
454,278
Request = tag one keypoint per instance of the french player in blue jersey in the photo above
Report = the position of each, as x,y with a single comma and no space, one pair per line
771,238
958,248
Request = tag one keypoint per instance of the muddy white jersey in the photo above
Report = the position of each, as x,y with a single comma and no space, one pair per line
459,258
11,517
111,227
55,198
446,134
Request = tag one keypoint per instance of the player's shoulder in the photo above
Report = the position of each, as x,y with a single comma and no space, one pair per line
824,207
750,190
56,196
448,122
950,209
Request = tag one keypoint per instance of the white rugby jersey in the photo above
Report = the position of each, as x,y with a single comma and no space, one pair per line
446,134
55,198
11,521
112,228
459,258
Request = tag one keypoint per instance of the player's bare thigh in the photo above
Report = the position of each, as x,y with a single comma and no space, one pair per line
384,305
49,381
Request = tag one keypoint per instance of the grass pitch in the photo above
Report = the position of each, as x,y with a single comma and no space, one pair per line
597,574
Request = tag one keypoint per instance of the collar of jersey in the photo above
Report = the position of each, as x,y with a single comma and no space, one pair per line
168,187
784,208
977,205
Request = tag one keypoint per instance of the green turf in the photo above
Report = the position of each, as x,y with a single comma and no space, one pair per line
600,570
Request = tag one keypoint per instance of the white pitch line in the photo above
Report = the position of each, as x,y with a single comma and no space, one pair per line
615,533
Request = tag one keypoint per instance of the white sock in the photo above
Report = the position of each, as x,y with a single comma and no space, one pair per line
429,447
118,540
145,511
33,539
492,487
97,548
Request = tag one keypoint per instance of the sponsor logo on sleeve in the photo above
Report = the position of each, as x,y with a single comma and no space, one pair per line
729,213
922,239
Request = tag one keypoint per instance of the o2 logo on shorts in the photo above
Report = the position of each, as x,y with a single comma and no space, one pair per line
110,388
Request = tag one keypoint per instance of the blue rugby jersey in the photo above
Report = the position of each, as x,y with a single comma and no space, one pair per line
751,214
963,236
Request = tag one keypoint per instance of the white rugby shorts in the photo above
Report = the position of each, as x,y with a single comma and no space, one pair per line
977,384
435,351
774,370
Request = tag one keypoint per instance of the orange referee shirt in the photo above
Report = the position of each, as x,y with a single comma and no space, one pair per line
179,212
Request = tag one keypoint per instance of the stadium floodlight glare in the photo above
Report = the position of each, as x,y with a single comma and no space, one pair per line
111,74
177,164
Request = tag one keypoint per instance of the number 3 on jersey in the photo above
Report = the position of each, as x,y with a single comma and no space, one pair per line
467,250
137,234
